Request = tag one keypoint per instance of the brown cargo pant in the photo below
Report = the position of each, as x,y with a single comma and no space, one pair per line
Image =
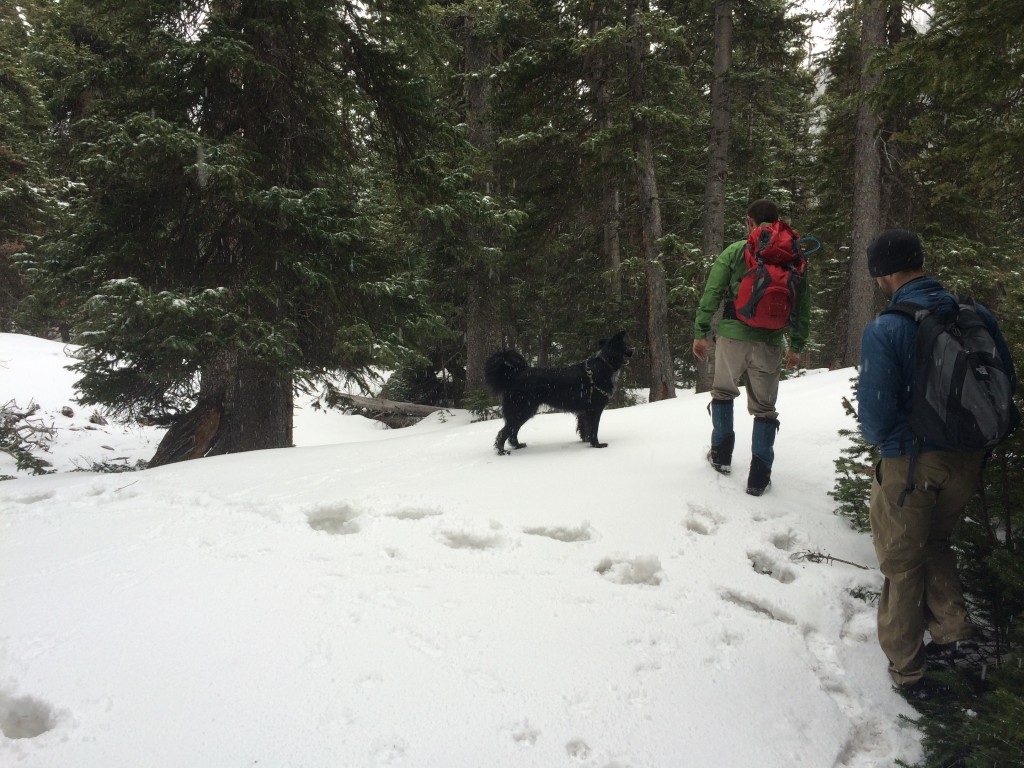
756,362
912,543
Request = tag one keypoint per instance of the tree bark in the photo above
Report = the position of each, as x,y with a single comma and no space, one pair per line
718,166
662,383
242,406
258,404
867,187
596,70
192,435
610,219
483,331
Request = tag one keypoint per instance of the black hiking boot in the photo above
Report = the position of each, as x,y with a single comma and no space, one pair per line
760,477
720,456
972,654
925,690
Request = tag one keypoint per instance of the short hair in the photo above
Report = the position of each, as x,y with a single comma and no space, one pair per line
763,211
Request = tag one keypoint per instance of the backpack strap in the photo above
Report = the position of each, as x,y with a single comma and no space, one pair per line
762,242
762,279
793,286
908,309
915,451
916,313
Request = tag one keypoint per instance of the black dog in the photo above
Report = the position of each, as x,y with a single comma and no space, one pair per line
583,389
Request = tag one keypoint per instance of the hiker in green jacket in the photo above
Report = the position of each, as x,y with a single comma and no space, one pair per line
750,354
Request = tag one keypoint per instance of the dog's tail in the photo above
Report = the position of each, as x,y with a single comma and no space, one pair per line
501,369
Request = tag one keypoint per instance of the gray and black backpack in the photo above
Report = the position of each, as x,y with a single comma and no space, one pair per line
962,396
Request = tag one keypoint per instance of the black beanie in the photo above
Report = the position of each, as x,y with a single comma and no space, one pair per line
894,251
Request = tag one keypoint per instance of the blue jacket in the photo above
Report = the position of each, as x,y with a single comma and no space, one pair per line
887,367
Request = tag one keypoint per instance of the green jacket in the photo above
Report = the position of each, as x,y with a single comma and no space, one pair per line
723,283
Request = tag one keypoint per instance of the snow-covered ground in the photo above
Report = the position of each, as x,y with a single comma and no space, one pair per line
406,597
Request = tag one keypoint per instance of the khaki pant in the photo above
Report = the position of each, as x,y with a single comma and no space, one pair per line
761,364
912,543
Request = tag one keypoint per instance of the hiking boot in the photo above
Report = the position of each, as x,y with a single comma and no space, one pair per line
720,456
760,477
925,689
941,655
973,653
762,448
723,439
937,650
725,469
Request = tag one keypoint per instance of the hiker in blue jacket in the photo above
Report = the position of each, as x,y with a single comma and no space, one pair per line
921,591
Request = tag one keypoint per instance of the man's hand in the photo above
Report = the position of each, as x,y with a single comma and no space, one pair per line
792,360
700,349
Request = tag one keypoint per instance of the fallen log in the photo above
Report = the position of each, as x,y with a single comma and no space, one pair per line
393,413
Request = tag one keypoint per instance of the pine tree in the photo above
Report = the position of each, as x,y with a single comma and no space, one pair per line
854,471
223,243
27,191
857,194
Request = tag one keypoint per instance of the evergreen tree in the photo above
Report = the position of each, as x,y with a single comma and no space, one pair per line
223,244
27,191
857,194
855,471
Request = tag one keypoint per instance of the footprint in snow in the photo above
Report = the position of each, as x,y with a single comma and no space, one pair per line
581,532
765,565
34,498
756,606
337,519
578,749
765,514
640,570
24,717
415,513
702,520
472,540
525,734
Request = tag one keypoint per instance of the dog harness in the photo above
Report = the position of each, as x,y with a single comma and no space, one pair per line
590,378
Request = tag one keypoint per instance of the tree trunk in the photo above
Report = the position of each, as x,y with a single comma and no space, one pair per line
483,335
596,70
242,407
612,250
483,332
867,185
661,369
258,405
718,166
191,436
718,150
254,401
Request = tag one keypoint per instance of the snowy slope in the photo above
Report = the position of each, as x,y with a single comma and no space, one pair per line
409,598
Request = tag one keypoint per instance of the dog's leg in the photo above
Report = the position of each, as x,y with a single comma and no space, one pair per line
499,441
583,427
593,420
517,410
513,439
509,432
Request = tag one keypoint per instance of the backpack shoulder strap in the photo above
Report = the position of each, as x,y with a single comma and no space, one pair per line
916,313
908,309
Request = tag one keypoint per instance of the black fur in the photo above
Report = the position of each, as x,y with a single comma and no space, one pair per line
583,389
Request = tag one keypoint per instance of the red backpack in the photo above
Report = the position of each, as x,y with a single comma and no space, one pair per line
767,293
